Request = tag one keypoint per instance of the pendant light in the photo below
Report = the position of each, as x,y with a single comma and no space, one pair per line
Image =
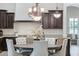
57,14
36,12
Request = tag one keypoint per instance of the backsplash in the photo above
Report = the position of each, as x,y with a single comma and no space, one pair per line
8,31
26,28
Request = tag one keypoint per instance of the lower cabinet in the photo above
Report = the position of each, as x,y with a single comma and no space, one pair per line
3,45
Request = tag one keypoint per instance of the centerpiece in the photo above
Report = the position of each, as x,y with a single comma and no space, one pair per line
38,33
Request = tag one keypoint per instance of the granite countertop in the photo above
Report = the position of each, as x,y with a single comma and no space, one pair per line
13,36
8,36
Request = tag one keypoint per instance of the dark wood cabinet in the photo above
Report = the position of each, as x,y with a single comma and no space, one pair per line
56,23
50,22
6,20
1,44
10,20
45,21
2,18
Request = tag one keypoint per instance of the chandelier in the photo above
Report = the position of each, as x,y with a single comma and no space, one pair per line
36,12
57,14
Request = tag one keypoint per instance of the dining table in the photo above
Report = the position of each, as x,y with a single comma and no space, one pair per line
29,46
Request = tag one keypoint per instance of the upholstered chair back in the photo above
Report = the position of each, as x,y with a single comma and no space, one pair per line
21,40
10,47
40,48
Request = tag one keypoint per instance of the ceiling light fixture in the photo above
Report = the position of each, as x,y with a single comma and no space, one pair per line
36,12
57,14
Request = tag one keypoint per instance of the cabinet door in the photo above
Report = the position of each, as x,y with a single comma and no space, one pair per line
45,20
10,20
0,44
56,23
2,19
59,21
52,22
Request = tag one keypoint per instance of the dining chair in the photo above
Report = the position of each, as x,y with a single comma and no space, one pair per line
21,40
62,52
51,41
40,48
10,48
59,41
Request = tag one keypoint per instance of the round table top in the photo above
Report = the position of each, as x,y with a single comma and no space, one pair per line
30,45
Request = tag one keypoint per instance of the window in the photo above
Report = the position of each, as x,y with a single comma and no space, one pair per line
73,25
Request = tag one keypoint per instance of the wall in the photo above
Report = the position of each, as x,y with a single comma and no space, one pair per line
72,11
10,7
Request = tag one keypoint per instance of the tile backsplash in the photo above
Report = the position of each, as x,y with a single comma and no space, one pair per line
26,28
8,31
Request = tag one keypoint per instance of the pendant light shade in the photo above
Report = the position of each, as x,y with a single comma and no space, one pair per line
36,12
57,14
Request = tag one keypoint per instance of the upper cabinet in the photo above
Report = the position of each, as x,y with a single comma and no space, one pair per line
6,19
10,20
7,11
57,23
2,18
45,21
50,22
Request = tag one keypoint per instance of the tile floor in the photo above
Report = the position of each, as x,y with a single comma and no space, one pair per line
74,50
